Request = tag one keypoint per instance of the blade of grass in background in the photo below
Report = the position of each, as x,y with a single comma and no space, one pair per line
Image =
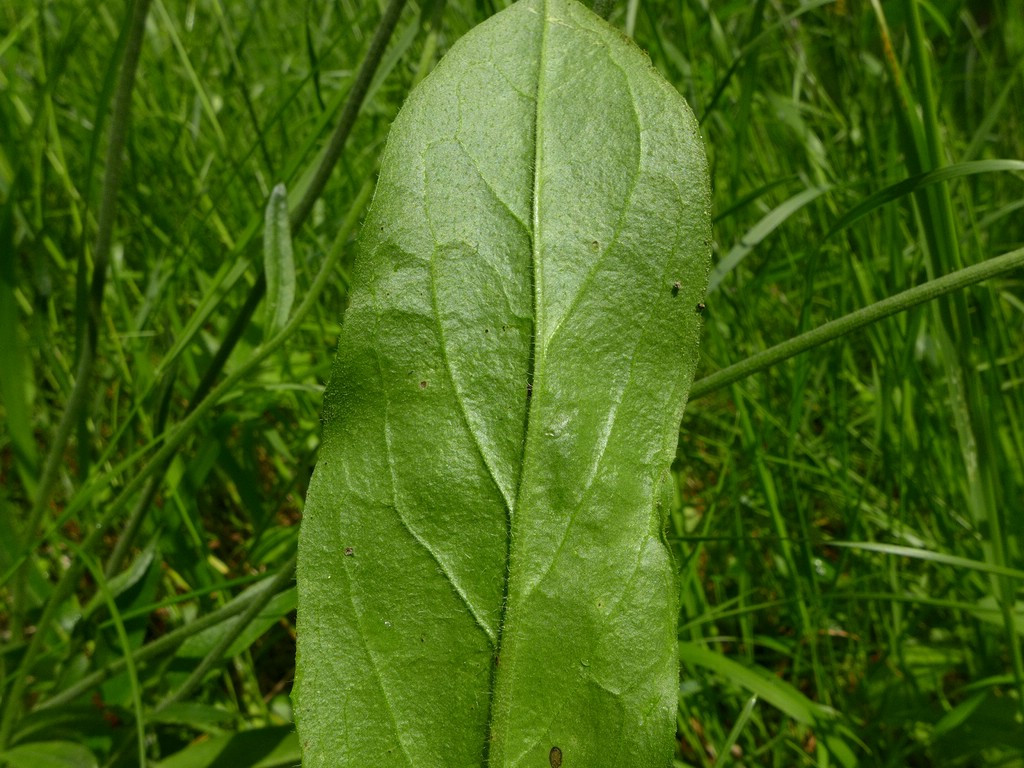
973,412
11,702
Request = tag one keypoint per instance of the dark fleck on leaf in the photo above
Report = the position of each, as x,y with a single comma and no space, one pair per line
555,757
701,306
675,287
349,552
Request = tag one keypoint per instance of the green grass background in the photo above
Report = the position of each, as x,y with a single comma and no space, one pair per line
849,523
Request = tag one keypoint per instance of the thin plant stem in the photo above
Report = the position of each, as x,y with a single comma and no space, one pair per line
132,526
138,513
122,636
349,113
834,329
280,579
165,643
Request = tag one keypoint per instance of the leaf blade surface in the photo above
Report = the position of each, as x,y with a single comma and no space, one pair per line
483,577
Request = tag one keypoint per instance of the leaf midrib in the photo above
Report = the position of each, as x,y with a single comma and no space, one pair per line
533,365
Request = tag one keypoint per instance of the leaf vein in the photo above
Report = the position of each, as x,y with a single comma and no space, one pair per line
588,485
596,267
438,561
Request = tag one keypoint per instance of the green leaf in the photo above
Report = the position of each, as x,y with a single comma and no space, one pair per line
278,263
274,747
905,187
977,727
760,681
766,226
70,723
201,717
48,754
200,644
126,579
898,550
483,577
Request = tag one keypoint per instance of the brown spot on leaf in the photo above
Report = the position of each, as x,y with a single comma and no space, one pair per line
555,757
675,287
423,384
350,552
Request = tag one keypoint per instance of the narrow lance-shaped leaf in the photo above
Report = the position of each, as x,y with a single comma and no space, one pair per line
483,578
278,262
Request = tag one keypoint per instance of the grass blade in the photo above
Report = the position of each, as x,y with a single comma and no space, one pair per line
994,267
278,263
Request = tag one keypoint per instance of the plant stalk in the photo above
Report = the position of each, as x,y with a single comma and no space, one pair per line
163,644
834,329
278,582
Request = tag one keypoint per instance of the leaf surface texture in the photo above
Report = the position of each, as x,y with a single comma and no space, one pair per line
483,578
